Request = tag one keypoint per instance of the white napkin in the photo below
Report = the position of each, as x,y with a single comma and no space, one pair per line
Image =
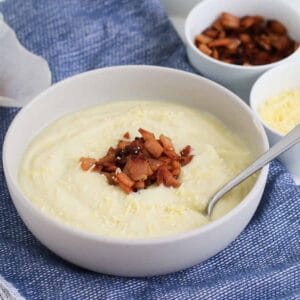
23,74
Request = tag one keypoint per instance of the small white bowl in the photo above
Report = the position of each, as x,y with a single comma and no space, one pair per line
237,78
271,83
123,256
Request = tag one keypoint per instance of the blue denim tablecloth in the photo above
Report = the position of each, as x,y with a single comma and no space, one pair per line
79,35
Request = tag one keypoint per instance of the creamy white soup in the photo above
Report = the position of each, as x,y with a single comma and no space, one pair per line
51,177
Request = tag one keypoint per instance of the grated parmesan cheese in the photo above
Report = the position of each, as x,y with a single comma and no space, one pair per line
282,112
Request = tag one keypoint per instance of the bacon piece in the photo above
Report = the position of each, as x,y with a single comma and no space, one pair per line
164,159
159,177
245,38
217,25
171,154
206,50
222,34
215,54
168,147
223,42
109,157
147,135
247,22
126,135
124,179
230,21
87,163
276,27
279,42
139,185
123,144
125,188
167,177
146,154
186,150
176,168
210,32
202,39
154,147
184,160
136,146
137,169
234,44
150,180
97,167
154,163
109,167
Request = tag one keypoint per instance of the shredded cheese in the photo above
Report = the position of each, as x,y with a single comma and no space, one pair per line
282,112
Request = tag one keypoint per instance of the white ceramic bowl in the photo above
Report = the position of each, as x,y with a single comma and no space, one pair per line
122,256
237,78
271,83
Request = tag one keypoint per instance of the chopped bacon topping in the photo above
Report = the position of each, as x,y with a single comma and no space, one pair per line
144,161
123,178
87,163
166,142
137,168
147,135
154,163
122,144
166,177
186,150
154,147
126,135
139,185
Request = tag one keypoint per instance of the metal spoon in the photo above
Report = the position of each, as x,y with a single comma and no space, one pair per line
292,138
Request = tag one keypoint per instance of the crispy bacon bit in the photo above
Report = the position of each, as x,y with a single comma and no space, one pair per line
165,160
176,168
109,167
171,154
154,163
203,39
139,185
137,168
229,21
184,160
154,148
87,163
147,135
186,150
122,144
125,188
126,135
276,27
144,161
109,157
123,178
166,142
205,49
167,177
247,40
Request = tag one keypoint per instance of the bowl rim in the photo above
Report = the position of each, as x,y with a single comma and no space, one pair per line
13,184
191,45
253,100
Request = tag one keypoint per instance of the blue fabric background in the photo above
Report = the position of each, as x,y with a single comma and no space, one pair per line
79,35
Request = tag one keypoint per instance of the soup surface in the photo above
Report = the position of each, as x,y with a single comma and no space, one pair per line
51,177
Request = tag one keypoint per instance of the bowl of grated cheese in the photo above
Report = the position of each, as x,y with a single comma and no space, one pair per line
275,99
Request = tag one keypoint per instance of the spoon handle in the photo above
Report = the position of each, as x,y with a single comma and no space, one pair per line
284,144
